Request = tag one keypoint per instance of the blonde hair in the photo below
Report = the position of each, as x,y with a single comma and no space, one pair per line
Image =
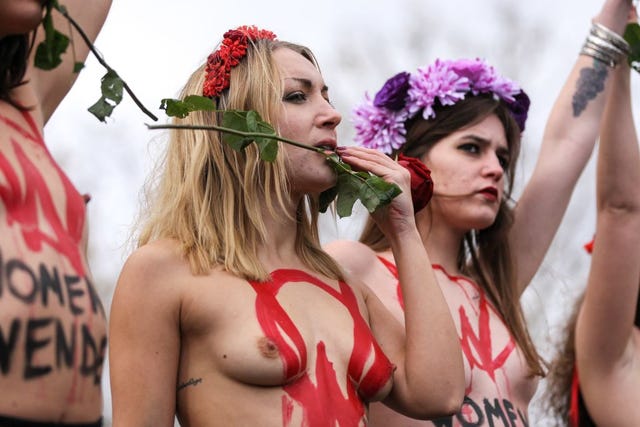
212,199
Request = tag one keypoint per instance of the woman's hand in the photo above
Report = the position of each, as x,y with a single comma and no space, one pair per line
398,216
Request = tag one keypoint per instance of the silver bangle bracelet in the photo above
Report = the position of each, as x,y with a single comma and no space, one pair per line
604,44
614,38
599,55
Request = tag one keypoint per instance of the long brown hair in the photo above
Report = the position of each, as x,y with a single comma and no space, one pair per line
484,255
557,396
558,390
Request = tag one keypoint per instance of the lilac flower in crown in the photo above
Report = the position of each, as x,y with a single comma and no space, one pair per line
439,81
380,124
378,127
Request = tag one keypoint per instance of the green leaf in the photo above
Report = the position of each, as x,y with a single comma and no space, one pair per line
376,193
268,148
101,109
632,36
49,52
174,108
252,119
77,67
236,120
237,142
327,197
200,103
191,103
348,193
111,88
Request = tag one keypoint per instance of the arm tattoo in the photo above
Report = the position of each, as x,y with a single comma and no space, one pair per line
590,84
192,381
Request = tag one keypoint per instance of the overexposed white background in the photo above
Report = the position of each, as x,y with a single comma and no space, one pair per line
155,44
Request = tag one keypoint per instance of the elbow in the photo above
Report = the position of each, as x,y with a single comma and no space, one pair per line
449,406
445,402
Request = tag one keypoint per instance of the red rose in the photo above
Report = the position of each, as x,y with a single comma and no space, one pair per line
421,183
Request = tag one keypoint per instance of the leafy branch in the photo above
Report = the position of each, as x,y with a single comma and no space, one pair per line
241,128
48,56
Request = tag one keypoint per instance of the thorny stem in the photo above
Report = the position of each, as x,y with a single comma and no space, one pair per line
239,133
254,135
104,63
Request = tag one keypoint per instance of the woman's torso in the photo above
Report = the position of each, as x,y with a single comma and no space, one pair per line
498,386
293,351
52,323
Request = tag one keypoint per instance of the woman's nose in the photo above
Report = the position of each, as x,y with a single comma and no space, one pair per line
330,117
493,167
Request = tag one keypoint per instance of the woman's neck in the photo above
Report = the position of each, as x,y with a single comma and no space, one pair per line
442,243
279,247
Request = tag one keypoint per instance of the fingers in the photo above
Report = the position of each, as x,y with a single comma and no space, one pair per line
376,162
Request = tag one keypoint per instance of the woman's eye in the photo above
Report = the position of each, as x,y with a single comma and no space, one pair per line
470,148
295,97
504,162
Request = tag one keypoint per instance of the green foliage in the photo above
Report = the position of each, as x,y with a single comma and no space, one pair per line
632,36
250,122
241,128
181,109
49,52
49,55
111,87
372,191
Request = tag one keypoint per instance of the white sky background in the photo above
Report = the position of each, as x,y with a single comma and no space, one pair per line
155,44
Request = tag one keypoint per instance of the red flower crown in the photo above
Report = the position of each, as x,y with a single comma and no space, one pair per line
232,49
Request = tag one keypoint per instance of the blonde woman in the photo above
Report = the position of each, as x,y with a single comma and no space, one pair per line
229,312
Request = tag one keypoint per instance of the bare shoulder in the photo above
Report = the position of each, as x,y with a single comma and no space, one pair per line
355,258
153,269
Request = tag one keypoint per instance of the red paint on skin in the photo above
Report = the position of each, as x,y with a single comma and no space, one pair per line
323,403
482,343
24,206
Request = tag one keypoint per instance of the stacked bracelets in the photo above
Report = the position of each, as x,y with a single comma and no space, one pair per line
605,45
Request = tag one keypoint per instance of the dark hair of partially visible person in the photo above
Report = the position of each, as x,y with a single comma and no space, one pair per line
560,377
485,255
14,56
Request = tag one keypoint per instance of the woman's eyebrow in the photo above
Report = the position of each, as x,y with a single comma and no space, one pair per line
306,83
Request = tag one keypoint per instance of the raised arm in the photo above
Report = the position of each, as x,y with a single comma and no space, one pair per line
607,355
50,87
144,337
569,138
429,375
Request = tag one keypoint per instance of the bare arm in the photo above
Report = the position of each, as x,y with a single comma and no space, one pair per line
605,348
429,379
569,138
52,86
144,342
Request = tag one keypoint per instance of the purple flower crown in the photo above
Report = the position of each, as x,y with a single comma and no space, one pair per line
379,123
